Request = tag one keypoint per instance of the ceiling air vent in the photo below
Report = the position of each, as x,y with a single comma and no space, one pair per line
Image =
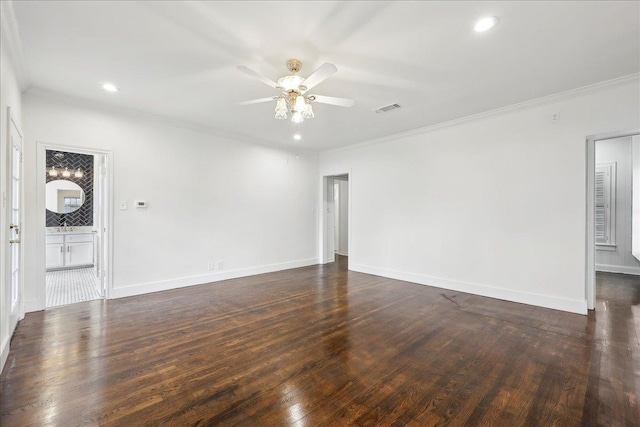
387,108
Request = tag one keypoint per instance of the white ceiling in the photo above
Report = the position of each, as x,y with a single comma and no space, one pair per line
177,59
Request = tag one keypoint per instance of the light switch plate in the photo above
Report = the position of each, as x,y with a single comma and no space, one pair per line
123,206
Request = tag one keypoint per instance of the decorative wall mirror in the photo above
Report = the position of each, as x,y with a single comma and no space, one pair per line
64,196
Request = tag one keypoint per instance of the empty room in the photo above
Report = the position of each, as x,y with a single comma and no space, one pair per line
325,213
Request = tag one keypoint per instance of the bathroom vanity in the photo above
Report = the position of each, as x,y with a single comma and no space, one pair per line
69,249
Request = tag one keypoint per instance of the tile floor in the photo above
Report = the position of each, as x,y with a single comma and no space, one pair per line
71,286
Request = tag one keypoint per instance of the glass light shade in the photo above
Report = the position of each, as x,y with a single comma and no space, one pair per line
290,82
66,173
297,117
53,171
281,109
300,103
281,105
78,173
307,113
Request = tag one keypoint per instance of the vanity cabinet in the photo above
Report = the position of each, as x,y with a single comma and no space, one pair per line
69,250
55,252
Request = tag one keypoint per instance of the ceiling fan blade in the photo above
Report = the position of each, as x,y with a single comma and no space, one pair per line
262,78
258,101
342,102
319,75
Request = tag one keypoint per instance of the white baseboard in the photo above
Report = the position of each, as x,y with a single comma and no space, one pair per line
164,285
342,253
573,306
4,352
31,305
618,269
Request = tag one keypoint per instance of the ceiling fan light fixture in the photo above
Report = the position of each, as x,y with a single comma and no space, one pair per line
292,89
281,108
297,117
307,113
300,104
290,82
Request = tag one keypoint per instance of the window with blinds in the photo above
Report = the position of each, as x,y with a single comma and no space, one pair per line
605,203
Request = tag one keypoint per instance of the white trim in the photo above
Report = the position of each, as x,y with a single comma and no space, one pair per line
40,227
31,305
557,97
556,303
607,268
11,34
164,285
342,253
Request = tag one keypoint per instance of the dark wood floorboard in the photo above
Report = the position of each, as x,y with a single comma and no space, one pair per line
322,346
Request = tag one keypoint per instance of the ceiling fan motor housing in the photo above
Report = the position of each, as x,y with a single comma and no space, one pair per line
294,65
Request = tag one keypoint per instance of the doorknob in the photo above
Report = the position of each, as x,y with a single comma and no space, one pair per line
14,241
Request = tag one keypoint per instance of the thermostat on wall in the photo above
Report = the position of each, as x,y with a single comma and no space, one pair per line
141,204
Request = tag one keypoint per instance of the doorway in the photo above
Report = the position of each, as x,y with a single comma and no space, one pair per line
336,220
613,166
76,202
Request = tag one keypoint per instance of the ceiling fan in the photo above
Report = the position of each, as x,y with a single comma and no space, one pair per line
293,97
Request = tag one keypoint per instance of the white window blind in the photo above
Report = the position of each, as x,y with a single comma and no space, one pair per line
605,192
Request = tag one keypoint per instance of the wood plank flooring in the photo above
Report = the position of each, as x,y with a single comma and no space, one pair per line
322,346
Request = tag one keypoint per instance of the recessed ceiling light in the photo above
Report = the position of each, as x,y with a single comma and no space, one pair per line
110,87
297,137
484,24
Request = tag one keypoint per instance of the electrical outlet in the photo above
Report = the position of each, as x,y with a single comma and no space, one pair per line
555,117
211,266
220,265
123,206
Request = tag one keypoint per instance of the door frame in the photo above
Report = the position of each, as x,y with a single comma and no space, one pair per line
326,235
106,255
6,302
590,229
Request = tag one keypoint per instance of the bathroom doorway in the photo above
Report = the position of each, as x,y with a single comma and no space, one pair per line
76,202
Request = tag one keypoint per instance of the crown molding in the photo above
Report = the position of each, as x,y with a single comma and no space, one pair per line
11,37
560,96
140,115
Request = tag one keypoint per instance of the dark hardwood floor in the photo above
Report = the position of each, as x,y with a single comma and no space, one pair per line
321,346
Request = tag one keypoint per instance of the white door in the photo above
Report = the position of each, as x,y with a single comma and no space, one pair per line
14,294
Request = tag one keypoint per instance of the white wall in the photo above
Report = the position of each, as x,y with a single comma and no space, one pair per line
10,96
209,199
493,205
619,260
343,217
